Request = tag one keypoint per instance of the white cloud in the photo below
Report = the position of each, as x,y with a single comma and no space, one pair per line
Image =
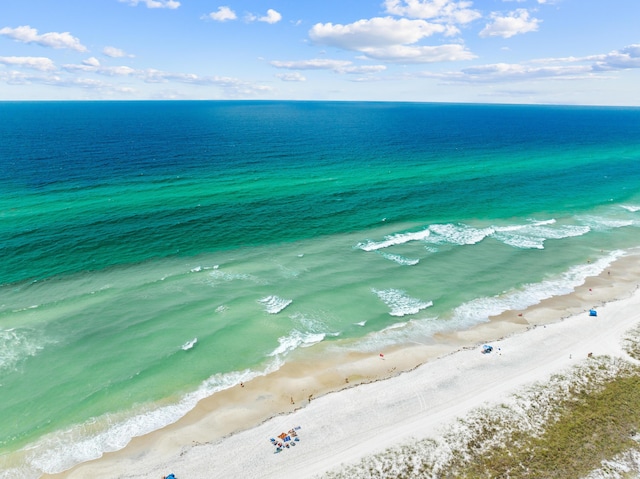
451,31
223,14
77,75
114,52
26,34
506,72
293,76
17,78
233,87
36,63
92,61
13,77
624,59
172,4
314,64
514,23
92,65
271,17
89,84
420,54
439,10
564,68
390,39
338,66
117,71
373,33
365,69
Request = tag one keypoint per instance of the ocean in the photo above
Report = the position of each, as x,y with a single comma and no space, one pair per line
154,253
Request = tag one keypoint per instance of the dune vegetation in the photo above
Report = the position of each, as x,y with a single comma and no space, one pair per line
582,424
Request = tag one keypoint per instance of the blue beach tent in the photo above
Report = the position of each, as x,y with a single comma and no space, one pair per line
593,312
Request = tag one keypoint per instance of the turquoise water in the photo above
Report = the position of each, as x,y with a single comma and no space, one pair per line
156,252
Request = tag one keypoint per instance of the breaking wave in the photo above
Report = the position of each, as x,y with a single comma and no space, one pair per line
399,303
531,235
396,239
274,304
400,259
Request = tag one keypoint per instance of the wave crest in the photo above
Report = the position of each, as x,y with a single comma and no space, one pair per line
399,303
274,304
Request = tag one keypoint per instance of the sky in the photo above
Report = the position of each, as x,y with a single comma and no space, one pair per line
584,52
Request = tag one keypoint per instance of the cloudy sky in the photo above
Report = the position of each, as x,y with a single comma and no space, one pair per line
488,51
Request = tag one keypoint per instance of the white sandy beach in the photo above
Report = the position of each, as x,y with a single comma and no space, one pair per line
342,427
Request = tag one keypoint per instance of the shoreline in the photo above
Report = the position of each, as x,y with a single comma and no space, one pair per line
301,388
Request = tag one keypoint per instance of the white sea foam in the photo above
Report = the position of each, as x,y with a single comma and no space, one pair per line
519,241
17,345
400,259
396,239
294,340
600,223
458,234
219,275
189,344
535,234
394,326
631,208
399,303
526,236
416,330
34,306
480,309
62,450
313,322
274,304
